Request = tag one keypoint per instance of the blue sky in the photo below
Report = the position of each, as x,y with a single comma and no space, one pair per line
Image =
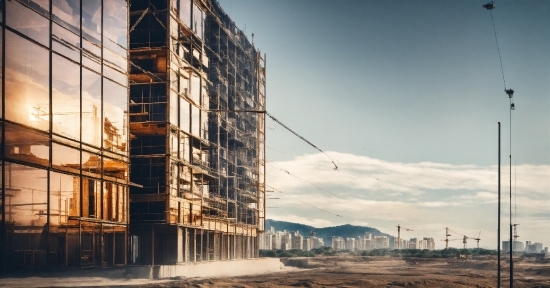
409,93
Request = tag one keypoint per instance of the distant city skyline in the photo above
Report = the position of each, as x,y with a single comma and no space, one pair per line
406,96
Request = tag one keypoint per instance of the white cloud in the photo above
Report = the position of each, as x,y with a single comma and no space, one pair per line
425,196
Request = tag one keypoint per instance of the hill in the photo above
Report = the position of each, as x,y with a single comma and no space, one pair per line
326,233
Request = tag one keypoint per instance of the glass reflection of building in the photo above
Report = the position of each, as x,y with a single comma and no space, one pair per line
201,167
64,197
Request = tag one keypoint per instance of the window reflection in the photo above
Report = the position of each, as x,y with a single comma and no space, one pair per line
116,18
185,114
115,61
91,55
65,158
195,121
185,12
174,97
91,198
27,84
91,20
67,14
28,22
91,164
25,144
196,88
114,107
198,20
65,42
65,97
91,108
26,213
115,168
64,197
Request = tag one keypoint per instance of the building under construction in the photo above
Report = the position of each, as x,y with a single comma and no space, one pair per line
89,87
197,122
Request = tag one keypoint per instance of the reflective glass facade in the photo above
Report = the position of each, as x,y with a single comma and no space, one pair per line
64,120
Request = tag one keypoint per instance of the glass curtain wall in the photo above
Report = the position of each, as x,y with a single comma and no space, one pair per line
64,180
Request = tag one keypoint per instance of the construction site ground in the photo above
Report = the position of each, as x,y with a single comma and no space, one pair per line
379,271
340,271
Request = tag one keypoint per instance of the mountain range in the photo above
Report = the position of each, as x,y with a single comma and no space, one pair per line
326,233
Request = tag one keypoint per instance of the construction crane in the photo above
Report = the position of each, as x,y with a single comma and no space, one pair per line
447,238
447,229
465,242
399,235
477,239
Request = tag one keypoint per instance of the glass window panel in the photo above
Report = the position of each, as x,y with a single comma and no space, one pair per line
91,198
204,124
115,75
27,82
114,60
185,120
65,97
40,6
115,168
91,56
197,21
26,144
185,12
115,103
116,19
65,158
91,164
64,197
174,107
195,121
174,143
196,88
67,14
184,146
91,108
65,42
28,22
26,210
184,86
91,20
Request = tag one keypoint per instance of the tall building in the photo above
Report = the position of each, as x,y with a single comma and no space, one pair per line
64,138
196,113
89,86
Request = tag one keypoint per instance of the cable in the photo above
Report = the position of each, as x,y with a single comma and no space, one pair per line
299,136
302,180
275,189
276,150
498,49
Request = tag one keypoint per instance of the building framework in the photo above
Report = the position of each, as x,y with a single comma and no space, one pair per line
89,87
197,103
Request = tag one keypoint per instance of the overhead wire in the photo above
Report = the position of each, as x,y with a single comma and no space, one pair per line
271,163
321,209
301,137
498,48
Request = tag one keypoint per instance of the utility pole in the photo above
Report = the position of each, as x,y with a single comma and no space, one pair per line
498,230
510,93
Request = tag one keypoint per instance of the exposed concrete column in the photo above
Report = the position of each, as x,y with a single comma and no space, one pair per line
180,246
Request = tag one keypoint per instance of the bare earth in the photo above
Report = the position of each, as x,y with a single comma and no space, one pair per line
355,271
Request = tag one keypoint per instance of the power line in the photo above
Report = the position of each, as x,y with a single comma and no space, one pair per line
326,211
302,180
301,137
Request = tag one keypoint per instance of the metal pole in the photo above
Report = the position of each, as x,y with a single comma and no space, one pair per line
498,230
511,239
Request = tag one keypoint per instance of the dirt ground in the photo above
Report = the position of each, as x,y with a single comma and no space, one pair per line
355,271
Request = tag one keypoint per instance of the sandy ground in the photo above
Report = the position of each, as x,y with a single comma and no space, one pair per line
349,271
342,271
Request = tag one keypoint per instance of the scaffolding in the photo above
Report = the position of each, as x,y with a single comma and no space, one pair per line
197,92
